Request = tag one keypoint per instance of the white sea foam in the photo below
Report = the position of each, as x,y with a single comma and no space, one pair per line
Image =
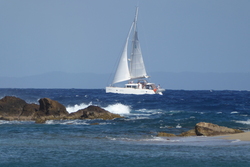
106,123
67,122
151,111
178,126
237,140
175,111
75,122
131,118
234,112
244,122
164,127
244,115
15,122
193,141
4,122
118,108
162,139
77,107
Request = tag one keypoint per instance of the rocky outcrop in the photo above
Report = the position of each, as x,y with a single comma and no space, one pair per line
13,108
209,129
93,112
29,112
51,109
204,129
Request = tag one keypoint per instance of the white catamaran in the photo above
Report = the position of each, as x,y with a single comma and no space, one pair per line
133,69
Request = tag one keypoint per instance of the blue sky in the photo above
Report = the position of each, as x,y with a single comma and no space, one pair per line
76,36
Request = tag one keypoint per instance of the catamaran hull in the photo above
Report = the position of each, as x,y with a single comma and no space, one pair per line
132,91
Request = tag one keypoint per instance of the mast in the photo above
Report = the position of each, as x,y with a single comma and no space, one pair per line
135,21
135,26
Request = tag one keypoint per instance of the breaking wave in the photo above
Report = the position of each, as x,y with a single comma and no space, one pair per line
117,108
77,107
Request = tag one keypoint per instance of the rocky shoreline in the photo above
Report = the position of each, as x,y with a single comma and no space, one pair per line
204,129
13,108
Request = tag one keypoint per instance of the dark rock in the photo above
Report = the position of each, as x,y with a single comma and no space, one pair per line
11,107
164,134
93,112
51,109
75,115
209,129
29,112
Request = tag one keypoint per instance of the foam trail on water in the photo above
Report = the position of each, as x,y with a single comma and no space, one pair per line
118,109
77,107
244,122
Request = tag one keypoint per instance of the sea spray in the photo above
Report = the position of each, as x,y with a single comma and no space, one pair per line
113,108
77,107
118,108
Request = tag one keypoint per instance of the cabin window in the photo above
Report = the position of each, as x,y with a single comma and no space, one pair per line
148,87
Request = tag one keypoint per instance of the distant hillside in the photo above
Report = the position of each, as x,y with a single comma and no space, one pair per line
168,80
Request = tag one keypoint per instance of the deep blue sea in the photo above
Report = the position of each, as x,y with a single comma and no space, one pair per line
132,140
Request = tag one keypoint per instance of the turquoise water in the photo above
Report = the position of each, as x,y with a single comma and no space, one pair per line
132,140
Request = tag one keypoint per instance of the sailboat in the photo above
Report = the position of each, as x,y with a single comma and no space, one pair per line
133,69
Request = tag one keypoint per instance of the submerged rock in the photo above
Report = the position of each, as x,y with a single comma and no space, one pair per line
164,134
40,121
209,129
96,123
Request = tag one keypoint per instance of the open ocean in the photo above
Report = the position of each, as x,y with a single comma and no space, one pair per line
132,140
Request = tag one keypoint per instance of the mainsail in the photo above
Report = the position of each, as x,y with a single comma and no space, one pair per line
137,68
122,72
